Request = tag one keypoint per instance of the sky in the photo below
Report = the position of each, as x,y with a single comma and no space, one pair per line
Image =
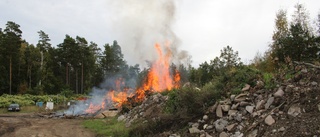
193,29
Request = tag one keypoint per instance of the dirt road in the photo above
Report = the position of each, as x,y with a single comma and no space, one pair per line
26,125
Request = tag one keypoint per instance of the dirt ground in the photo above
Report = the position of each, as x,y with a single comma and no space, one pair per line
28,125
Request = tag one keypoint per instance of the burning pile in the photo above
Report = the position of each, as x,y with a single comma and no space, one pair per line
158,79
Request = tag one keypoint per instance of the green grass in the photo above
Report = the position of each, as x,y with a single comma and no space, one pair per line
109,127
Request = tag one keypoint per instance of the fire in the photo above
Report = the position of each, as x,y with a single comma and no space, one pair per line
158,79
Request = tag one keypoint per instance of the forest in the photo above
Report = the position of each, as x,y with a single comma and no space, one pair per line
76,65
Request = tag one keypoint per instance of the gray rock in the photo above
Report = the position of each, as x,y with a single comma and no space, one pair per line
260,104
250,109
240,97
205,117
121,118
232,112
223,134
281,129
269,120
304,70
237,134
313,83
294,110
194,130
209,127
260,84
289,88
243,103
207,135
219,111
254,133
232,97
279,93
205,126
230,127
225,108
319,107
238,117
269,102
220,124
235,106
246,87
196,125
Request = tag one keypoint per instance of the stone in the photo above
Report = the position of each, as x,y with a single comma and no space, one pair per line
235,106
269,102
213,108
289,88
209,127
254,133
121,118
313,83
207,135
259,84
205,126
194,130
205,117
223,134
237,134
220,124
238,117
230,127
260,104
196,125
304,70
294,110
279,93
281,129
246,87
243,103
174,135
219,111
269,120
250,109
225,108
319,107
232,97
232,112
240,97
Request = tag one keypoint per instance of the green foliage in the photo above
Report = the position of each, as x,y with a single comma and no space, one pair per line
27,99
107,127
268,80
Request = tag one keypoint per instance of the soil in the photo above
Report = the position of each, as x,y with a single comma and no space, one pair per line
29,125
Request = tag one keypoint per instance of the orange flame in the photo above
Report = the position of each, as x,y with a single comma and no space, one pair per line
158,79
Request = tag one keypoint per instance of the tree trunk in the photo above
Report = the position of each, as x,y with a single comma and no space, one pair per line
81,78
77,82
10,74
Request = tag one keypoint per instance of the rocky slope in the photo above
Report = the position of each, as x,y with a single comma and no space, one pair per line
290,109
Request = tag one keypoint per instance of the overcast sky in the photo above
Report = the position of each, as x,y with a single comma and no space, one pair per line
198,28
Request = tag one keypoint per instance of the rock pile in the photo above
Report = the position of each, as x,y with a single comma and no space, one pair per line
256,110
150,107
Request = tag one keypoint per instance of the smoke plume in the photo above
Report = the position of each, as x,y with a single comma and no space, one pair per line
139,24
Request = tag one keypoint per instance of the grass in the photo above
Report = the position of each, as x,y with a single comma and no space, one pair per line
24,109
109,127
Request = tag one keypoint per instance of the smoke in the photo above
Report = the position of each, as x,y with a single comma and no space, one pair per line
139,24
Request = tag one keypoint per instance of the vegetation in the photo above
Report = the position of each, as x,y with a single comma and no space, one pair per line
107,127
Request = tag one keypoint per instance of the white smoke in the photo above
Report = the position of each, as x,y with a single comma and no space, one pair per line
139,24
